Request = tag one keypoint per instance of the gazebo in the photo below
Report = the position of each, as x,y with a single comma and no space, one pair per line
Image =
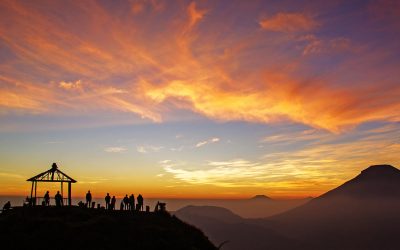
51,175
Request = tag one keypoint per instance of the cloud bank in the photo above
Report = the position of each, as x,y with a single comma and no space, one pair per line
155,60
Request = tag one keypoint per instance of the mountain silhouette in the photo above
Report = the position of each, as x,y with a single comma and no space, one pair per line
221,225
375,182
363,213
260,197
191,213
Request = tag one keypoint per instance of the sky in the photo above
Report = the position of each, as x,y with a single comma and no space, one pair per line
198,99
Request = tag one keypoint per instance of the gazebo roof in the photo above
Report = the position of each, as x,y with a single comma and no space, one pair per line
52,175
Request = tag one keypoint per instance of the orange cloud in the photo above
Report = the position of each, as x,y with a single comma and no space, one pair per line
195,15
71,85
317,45
280,98
17,95
175,64
138,7
289,22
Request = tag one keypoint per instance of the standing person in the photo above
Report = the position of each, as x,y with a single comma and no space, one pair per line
88,199
47,199
113,201
58,199
27,201
7,206
132,202
140,202
126,202
107,199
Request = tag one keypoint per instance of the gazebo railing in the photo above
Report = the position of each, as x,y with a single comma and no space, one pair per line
40,200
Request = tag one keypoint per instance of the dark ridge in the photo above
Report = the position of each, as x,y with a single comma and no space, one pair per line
78,228
223,226
260,197
219,213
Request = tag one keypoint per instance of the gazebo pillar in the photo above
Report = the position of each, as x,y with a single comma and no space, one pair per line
31,200
69,194
35,193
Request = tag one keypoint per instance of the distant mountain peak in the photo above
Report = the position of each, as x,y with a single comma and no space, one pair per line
380,170
260,197
374,181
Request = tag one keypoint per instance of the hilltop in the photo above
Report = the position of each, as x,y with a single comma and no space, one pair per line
77,228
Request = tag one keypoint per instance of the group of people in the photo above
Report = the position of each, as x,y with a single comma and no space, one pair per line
46,199
127,203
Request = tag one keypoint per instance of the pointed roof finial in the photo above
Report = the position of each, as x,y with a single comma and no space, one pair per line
54,166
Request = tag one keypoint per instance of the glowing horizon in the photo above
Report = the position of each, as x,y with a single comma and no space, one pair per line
206,99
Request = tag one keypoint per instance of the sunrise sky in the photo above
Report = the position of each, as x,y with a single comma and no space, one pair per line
200,99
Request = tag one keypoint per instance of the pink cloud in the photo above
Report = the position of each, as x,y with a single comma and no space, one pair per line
289,22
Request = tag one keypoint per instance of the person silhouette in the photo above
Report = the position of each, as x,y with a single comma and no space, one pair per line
58,198
81,204
156,207
27,201
107,199
126,202
132,202
7,206
88,199
140,202
113,201
47,199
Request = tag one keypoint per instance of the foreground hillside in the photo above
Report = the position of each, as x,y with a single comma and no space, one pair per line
363,213
76,228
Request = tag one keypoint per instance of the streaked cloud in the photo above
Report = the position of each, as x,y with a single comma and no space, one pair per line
115,149
93,180
11,175
292,137
177,149
211,140
142,76
71,85
317,45
233,163
144,149
217,175
308,168
165,161
282,98
289,22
